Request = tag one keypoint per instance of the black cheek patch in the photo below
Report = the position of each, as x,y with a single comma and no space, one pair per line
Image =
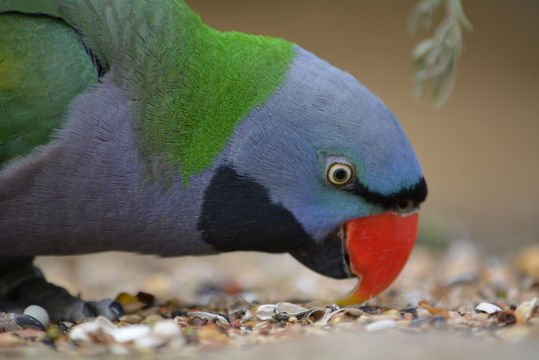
237,214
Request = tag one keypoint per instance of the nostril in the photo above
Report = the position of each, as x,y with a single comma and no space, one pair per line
405,205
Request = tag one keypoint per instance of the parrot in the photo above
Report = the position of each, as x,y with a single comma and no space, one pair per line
134,126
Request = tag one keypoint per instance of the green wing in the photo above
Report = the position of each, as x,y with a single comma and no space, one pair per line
43,66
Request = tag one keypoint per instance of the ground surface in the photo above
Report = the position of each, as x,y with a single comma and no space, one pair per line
246,305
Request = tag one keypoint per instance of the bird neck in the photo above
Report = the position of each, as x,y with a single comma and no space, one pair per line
207,82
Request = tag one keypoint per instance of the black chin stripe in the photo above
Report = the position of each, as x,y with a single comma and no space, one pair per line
417,194
237,214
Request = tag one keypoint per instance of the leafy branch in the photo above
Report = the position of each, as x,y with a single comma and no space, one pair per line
435,58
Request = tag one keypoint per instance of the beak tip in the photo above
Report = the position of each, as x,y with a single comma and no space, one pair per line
357,296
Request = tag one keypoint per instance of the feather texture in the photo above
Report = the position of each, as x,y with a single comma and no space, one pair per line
190,84
43,66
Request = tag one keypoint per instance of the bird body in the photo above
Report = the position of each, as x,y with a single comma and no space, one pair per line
139,128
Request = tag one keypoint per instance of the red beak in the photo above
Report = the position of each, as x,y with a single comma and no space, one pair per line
378,247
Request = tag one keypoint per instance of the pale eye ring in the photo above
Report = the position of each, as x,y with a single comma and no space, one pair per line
340,174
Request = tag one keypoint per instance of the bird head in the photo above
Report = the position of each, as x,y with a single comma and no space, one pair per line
324,171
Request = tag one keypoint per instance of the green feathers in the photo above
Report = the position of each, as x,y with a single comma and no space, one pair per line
43,66
190,84
221,78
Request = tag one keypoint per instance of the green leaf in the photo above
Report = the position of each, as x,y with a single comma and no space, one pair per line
435,58
423,48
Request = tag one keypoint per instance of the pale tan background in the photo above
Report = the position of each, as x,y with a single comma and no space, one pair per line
480,152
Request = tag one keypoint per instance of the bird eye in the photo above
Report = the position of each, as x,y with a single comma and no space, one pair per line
340,174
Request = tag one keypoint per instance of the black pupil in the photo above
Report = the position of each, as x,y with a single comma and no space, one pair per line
340,174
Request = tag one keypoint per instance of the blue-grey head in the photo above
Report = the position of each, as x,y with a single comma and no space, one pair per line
323,150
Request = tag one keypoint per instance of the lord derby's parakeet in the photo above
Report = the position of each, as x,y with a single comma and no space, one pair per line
133,126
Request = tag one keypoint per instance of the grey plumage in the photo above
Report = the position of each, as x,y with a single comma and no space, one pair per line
82,192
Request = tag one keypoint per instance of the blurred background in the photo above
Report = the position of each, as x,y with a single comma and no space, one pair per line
480,151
